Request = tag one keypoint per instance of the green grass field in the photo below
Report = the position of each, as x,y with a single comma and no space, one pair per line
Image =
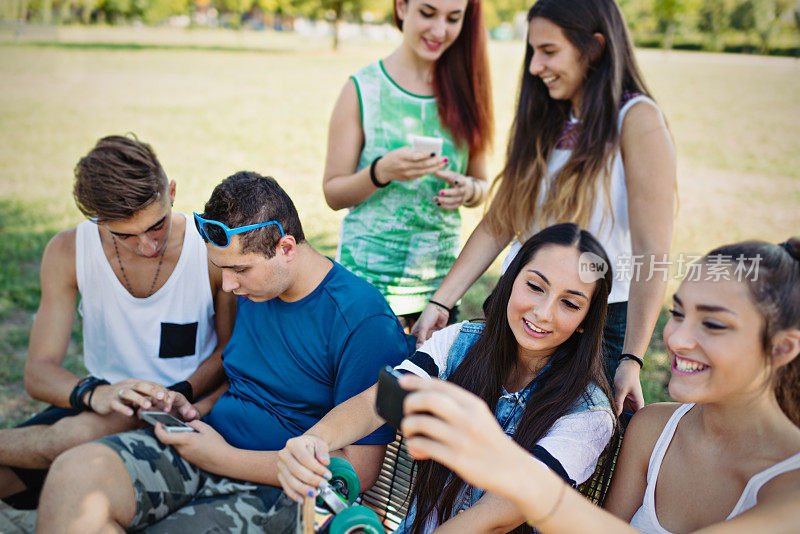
213,102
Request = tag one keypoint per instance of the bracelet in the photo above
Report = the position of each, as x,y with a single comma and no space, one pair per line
372,176
477,194
552,511
442,306
85,385
632,358
89,399
474,190
184,388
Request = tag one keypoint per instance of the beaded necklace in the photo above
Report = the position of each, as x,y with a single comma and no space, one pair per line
125,277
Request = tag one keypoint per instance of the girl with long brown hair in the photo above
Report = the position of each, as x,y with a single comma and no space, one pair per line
588,145
537,361
724,459
402,230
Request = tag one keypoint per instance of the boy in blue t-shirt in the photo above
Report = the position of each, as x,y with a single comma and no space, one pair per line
308,335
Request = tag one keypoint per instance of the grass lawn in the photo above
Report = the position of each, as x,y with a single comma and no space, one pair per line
213,102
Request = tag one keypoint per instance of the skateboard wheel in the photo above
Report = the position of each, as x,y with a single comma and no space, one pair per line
344,480
356,520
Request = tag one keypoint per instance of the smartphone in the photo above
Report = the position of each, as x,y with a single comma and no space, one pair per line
389,403
170,424
427,145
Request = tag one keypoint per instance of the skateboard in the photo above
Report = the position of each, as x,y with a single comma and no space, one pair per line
335,511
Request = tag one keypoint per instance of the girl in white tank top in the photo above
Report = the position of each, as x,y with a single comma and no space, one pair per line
725,461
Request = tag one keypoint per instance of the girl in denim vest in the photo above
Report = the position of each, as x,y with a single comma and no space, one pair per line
725,460
588,145
536,360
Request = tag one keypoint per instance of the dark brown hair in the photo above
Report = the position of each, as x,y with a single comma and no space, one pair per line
461,82
249,198
117,178
772,274
574,365
540,120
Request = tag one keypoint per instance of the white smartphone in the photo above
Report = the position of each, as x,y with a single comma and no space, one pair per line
170,424
427,145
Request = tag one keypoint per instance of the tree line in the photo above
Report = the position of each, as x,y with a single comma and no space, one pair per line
762,26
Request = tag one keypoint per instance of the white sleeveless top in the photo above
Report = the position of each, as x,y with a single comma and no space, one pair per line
616,237
162,338
645,519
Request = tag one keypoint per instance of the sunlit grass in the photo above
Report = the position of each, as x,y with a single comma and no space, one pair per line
212,103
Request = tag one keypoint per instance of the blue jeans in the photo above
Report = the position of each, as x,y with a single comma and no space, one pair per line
613,338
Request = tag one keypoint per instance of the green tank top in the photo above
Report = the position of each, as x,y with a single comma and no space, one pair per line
398,239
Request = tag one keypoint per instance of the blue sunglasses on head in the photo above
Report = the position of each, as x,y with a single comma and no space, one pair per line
220,235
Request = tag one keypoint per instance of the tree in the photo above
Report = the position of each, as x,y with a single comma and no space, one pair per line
797,16
500,11
666,12
760,17
714,20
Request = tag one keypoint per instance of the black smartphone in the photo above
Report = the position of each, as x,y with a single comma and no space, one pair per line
389,403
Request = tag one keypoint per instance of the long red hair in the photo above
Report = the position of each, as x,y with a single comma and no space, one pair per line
461,82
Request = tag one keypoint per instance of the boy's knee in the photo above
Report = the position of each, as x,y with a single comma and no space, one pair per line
73,431
60,437
82,463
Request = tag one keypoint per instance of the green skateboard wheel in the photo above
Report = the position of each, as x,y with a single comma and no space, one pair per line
344,480
356,519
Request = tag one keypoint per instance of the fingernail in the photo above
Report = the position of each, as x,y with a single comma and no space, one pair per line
433,154
328,475
441,192
326,457
446,160
323,485
436,201
310,493
456,182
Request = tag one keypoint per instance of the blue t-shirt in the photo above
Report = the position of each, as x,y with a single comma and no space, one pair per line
290,363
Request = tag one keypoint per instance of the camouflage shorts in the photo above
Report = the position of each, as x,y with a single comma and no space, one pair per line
173,495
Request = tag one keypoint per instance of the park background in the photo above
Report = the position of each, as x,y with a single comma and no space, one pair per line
252,87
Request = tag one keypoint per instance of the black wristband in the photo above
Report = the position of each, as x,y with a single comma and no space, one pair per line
372,174
442,306
89,399
84,386
184,388
632,358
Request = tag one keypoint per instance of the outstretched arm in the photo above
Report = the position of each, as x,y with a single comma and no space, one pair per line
302,463
478,253
491,514
649,159
454,427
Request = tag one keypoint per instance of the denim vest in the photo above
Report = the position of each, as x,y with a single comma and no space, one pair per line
510,407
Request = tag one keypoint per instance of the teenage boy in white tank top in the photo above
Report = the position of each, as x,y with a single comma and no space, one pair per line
154,315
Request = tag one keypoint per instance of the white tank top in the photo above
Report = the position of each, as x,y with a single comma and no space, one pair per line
645,519
162,338
616,237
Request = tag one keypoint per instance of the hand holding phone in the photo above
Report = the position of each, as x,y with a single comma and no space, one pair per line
389,403
427,145
171,424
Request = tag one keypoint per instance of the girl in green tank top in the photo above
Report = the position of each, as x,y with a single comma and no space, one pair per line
402,230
